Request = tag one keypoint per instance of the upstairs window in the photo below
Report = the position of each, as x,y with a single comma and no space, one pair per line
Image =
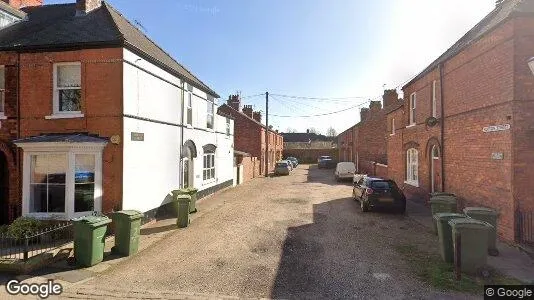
189,116
413,101
2,90
392,126
210,119
67,88
412,167
434,100
228,126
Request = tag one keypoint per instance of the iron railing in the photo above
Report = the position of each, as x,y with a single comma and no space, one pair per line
46,240
525,227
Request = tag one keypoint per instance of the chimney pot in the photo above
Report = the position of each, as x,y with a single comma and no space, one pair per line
84,7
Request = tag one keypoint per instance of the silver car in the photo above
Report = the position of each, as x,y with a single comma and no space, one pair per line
282,168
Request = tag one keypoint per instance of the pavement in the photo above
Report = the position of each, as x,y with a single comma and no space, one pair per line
293,237
512,260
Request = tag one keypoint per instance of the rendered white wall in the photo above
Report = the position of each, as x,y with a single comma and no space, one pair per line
151,168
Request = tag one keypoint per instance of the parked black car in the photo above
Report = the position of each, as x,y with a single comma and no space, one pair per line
326,162
374,192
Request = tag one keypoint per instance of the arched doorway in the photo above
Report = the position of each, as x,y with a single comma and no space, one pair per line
435,169
4,189
189,152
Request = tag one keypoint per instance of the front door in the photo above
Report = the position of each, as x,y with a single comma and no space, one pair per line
187,173
435,166
4,189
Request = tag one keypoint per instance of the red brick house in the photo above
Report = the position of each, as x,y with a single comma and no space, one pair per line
250,133
365,143
467,123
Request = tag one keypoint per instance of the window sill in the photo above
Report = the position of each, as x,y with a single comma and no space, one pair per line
411,125
189,126
209,181
391,134
3,117
64,116
412,183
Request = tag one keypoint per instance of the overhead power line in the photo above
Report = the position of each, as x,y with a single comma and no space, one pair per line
323,114
319,98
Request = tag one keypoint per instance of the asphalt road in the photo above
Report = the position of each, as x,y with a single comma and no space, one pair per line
299,236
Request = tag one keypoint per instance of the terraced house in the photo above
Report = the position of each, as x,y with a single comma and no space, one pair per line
467,126
99,118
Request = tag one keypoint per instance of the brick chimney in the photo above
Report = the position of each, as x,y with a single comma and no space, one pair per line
257,116
498,3
375,106
390,97
84,7
364,113
247,110
234,102
18,4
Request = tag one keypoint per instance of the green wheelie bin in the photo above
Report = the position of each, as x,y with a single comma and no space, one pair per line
474,243
445,234
487,215
442,204
127,229
183,202
191,192
437,194
89,239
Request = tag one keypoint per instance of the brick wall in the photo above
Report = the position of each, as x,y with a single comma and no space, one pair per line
310,156
101,105
251,167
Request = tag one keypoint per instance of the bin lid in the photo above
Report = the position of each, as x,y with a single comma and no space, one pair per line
437,194
442,199
446,216
480,210
131,214
469,223
183,197
93,220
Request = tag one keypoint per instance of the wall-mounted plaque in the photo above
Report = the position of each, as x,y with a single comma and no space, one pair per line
496,128
497,156
138,136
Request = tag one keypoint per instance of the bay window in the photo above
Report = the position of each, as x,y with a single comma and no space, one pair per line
61,180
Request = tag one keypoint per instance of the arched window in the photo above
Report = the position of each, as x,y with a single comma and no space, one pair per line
412,167
435,152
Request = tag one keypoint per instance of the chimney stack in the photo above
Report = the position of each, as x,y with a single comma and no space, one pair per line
84,7
390,97
234,102
364,113
247,110
498,3
18,4
257,116
375,106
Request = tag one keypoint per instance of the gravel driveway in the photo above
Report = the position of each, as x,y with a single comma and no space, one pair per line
298,236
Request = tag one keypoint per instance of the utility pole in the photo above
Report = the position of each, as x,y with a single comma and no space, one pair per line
266,133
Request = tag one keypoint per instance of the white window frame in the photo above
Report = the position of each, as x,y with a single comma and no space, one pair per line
392,126
210,156
3,94
412,167
434,100
70,150
210,115
228,126
413,106
56,113
189,109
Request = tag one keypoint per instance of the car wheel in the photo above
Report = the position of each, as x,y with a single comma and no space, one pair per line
364,206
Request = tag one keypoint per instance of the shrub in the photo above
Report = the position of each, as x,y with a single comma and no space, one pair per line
24,226
3,229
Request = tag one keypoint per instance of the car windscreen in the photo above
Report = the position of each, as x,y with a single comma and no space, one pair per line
382,185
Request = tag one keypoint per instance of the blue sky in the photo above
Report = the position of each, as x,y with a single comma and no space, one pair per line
314,48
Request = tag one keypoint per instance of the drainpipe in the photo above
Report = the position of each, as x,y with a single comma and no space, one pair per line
182,135
442,127
18,151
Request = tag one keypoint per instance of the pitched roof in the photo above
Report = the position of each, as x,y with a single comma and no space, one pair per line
502,12
303,137
57,26
11,10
